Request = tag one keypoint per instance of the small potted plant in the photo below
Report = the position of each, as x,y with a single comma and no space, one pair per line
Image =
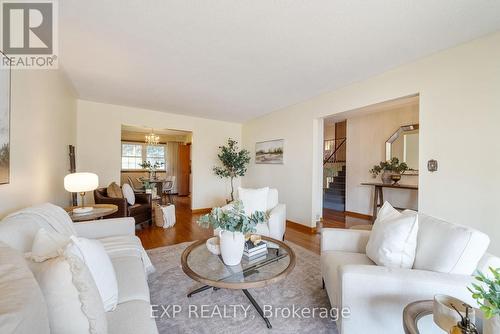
233,224
487,294
388,169
151,168
147,186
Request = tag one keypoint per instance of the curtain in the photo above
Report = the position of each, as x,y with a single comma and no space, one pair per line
172,162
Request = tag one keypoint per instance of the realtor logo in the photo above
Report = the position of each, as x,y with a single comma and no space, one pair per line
28,33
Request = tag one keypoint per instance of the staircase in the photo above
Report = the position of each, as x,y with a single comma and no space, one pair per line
334,195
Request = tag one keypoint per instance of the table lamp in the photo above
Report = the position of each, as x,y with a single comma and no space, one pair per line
81,183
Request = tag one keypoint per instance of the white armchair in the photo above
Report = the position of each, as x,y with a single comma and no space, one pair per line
376,295
276,225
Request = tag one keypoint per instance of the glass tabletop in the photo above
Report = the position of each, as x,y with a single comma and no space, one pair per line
278,260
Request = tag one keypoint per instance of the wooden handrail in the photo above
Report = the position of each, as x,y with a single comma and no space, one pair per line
334,151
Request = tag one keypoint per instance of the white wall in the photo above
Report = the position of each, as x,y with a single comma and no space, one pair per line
366,137
459,116
98,145
43,116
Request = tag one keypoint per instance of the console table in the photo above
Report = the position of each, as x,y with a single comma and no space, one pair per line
378,196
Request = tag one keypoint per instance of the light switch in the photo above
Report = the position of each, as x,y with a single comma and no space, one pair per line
432,165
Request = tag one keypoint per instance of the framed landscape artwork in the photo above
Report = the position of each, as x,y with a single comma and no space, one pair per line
4,121
269,152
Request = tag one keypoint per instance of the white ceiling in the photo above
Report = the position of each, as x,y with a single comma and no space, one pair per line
236,60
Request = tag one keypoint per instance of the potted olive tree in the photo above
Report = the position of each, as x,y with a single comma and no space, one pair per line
233,224
234,163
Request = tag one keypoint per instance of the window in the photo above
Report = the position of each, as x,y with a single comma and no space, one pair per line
131,156
156,154
134,154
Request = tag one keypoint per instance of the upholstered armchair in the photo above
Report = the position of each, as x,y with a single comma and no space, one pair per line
140,211
446,257
276,225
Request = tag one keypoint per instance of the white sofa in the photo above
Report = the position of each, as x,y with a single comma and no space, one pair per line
376,295
133,313
276,225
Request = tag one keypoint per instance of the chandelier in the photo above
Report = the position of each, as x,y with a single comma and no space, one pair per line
152,139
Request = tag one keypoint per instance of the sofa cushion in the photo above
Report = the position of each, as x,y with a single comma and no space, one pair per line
331,261
73,301
127,245
253,199
132,317
393,238
448,248
22,305
131,279
114,190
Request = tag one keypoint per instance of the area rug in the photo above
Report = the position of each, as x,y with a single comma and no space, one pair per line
229,311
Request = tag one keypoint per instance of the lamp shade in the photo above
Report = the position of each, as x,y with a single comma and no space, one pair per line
81,182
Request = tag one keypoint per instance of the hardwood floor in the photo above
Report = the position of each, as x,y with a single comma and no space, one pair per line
187,229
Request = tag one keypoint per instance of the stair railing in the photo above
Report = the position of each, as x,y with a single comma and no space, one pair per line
343,140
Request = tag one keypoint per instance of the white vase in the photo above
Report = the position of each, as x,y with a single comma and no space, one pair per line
492,326
231,247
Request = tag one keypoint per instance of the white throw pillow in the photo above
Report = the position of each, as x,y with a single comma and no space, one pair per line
50,244
393,239
93,254
72,298
47,245
253,199
128,193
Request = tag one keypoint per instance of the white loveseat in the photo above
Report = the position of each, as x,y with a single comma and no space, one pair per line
376,295
133,312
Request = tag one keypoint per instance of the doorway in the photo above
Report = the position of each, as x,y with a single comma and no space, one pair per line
372,135
156,160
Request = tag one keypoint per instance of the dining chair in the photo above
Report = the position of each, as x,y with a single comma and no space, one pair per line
168,187
134,188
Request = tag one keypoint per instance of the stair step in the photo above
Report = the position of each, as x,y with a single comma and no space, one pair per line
335,191
336,185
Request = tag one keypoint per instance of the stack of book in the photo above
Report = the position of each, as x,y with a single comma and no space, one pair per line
252,252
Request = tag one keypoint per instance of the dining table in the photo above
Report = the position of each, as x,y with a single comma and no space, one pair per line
157,182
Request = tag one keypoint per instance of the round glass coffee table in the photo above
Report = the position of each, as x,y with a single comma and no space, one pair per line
209,269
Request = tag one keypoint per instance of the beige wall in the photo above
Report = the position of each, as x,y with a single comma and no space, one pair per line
366,137
99,150
459,111
43,118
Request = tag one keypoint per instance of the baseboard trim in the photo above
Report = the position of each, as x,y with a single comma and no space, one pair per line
202,210
358,215
300,227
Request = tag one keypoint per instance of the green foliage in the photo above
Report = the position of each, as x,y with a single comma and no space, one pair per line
233,219
234,162
4,155
392,165
152,167
487,292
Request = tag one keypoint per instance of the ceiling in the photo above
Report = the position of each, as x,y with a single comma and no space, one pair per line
235,60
